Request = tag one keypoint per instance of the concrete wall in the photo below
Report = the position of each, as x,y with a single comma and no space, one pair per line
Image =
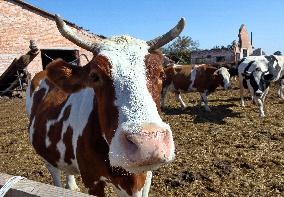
210,56
20,24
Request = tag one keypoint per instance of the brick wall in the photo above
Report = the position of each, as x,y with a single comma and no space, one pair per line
20,24
244,41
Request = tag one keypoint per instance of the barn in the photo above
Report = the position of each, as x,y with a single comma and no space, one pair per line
32,23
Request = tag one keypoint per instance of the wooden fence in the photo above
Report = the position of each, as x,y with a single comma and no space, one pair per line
28,188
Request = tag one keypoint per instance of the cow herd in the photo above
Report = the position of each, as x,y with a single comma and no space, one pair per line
102,120
255,73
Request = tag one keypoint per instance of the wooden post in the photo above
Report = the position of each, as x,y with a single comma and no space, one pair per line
9,79
28,188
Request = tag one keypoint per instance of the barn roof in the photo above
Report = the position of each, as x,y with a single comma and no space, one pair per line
45,13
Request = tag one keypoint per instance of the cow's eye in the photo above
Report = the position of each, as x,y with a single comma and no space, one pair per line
258,69
94,77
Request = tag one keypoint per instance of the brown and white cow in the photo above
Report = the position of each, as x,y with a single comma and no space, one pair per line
194,78
101,120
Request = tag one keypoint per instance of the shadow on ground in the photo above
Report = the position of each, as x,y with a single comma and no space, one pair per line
217,114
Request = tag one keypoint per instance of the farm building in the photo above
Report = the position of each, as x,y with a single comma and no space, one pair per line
22,22
226,55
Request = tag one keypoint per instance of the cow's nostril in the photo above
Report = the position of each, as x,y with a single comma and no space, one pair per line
130,143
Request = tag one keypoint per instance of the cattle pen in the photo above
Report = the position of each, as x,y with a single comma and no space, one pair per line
229,151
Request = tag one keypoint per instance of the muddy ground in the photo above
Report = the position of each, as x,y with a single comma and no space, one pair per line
230,151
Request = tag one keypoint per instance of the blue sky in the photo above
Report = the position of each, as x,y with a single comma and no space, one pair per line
211,22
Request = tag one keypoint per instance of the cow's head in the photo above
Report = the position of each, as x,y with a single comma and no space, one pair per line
260,78
224,74
125,74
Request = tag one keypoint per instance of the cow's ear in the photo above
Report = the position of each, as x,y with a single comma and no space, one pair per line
66,77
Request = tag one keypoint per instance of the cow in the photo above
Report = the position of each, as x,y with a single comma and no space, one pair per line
256,73
102,120
194,78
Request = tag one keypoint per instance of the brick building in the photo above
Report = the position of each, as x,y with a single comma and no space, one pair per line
21,22
226,55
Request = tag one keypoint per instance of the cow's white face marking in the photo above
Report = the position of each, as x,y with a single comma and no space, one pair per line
133,99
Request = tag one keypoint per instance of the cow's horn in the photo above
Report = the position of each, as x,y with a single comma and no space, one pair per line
70,35
167,37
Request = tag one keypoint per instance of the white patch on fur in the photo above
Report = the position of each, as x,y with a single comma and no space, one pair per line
81,107
29,98
133,99
244,64
192,78
177,66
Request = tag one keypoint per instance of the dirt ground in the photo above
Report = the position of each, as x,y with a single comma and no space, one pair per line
230,151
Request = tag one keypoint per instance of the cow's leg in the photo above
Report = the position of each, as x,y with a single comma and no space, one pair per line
281,89
178,98
55,174
241,91
98,189
201,102
251,91
71,183
265,94
163,96
205,100
260,105
147,184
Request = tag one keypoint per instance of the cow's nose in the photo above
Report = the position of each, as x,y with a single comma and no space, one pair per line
149,146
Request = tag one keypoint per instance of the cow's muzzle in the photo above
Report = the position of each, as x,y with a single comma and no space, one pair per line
153,145
258,93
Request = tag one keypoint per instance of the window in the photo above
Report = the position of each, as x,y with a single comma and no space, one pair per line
245,52
220,59
238,57
200,60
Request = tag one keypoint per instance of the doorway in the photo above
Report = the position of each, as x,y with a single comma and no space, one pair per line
69,55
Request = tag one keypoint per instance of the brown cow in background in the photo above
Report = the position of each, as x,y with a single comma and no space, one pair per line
194,78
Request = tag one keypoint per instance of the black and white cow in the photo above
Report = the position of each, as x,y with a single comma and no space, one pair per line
256,73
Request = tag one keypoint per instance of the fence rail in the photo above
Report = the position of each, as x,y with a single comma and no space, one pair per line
28,188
